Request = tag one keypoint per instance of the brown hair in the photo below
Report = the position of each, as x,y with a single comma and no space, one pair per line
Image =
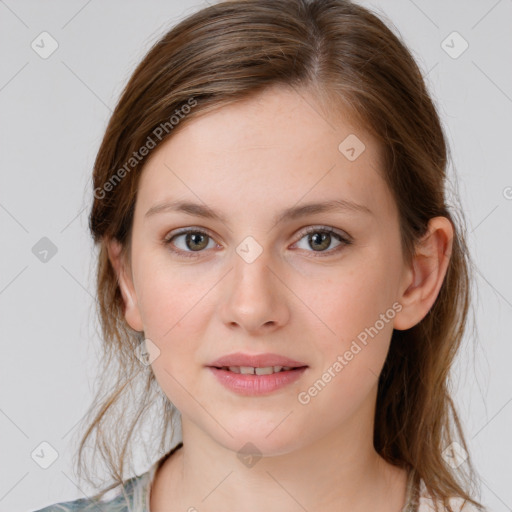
347,57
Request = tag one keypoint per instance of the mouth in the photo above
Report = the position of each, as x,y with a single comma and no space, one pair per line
258,364
256,374
257,380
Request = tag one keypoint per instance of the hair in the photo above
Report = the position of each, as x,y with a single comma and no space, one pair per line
348,58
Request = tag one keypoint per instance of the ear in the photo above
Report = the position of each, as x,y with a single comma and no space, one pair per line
421,283
125,283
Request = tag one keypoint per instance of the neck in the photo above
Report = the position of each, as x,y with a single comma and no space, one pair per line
339,471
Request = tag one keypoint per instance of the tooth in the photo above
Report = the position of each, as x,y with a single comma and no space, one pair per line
264,371
250,370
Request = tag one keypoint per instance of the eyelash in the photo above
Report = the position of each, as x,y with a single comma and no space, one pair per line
314,229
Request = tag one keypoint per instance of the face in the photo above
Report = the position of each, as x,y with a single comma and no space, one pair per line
249,283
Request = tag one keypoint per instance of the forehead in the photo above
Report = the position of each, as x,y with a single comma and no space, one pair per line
277,147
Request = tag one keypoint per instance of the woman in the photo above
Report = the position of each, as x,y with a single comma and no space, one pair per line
278,264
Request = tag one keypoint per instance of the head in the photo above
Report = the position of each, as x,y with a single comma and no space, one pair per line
299,102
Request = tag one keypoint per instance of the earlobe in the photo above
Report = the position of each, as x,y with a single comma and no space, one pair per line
125,283
424,278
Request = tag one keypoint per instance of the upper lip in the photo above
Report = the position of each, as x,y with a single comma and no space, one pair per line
255,360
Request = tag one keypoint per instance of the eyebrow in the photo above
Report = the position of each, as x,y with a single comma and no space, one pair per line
295,212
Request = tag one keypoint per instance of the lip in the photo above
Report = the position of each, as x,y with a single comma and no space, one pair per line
252,385
255,360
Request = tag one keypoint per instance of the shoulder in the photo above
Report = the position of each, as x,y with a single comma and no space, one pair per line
131,497
457,504
83,505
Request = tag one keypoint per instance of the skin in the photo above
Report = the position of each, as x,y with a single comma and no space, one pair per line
251,160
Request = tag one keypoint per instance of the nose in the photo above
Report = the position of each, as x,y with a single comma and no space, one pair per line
255,297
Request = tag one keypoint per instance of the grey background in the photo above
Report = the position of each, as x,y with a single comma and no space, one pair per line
53,115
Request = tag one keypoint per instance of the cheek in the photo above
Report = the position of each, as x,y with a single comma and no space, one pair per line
167,298
176,308
172,312
354,312
348,301
357,324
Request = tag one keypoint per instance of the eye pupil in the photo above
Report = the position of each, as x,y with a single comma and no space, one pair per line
323,237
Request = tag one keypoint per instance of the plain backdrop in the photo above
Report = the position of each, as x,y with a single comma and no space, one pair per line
53,114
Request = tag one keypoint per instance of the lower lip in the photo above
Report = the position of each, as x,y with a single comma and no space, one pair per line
252,385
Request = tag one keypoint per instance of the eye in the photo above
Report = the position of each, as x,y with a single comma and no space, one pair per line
195,240
320,238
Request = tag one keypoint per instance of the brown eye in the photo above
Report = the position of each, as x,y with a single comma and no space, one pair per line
320,239
196,241
191,241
